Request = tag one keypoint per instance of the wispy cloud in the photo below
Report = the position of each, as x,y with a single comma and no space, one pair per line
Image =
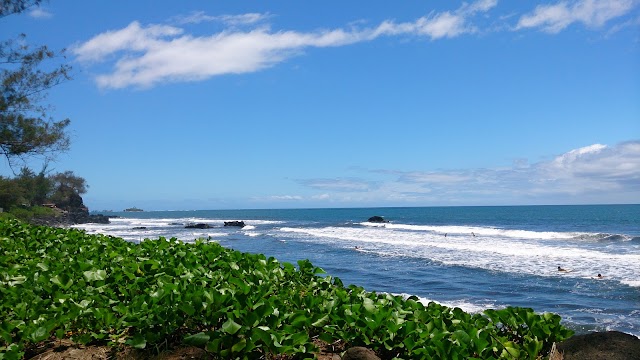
285,198
592,13
595,170
197,17
40,13
595,173
143,56
148,55
339,184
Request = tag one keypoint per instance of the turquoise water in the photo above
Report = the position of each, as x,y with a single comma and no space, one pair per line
471,257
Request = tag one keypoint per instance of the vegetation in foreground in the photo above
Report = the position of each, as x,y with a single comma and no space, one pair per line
64,283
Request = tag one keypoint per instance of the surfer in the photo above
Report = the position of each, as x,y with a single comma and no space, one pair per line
445,234
599,277
472,233
561,269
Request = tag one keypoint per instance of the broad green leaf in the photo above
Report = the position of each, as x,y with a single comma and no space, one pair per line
39,334
138,341
321,322
231,327
200,339
237,347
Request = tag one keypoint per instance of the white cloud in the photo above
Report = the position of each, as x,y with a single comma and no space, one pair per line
434,177
148,55
232,20
132,38
40,13
596,171
592,13
600,165
592,174
338,184
285,197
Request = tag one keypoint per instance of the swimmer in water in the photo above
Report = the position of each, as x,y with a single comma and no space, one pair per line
599,277
561,269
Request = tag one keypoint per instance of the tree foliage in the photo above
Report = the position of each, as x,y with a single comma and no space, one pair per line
8,7
26,128
30,189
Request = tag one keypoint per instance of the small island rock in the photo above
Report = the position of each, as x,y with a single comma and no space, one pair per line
198,226
377,219
234,223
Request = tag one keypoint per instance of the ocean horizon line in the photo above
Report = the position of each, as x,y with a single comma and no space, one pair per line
369,207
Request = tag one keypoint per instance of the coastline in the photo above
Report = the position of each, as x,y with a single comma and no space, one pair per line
513,263
606,338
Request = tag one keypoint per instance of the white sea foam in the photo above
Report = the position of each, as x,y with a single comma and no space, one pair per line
524,255
480,231
465,305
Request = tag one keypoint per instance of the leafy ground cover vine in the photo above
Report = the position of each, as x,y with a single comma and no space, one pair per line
64,283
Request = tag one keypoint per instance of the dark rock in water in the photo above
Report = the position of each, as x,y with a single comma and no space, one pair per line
234,223
70,218
610,345
198,226
83,217
139,228
359,353
377,219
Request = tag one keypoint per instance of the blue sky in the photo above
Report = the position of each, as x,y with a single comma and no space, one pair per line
290,104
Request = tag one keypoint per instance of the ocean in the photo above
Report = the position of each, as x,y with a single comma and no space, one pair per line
474,258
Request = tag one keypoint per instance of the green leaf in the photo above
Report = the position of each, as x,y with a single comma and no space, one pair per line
39,334
95,275
63,280
138,341
200,339
321,322
187,308
231,327
237,347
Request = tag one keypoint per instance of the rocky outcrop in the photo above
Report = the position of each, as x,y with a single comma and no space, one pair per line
234,223
198,226
70,218
377,219
610,345
83,217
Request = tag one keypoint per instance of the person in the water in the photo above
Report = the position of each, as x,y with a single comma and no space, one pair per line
561,269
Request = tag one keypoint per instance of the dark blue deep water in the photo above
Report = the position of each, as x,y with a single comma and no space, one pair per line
470,257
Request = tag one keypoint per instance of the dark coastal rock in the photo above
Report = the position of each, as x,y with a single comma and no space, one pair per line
234,223
86,218
610,345
377,219
64,219
139,228
198,226
359,353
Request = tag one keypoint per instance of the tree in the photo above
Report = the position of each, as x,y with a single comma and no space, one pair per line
36,188
26,128
8,7
67,188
